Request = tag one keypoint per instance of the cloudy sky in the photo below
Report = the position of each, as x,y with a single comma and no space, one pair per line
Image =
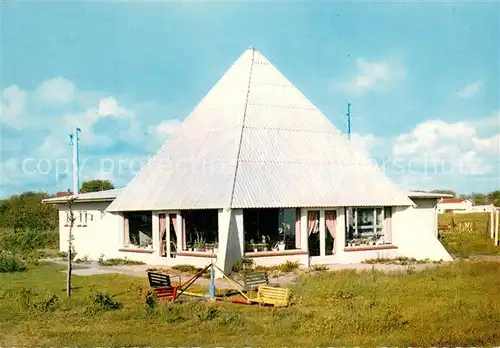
423,81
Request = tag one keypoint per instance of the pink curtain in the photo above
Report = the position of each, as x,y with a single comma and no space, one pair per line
330,219
163,229
312,217
297,229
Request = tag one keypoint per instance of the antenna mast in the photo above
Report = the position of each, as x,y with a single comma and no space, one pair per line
348,121
74,140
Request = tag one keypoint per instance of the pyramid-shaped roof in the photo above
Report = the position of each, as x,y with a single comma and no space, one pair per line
255,141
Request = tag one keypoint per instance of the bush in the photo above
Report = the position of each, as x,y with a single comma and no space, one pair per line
102,301
186,268
150,300
26,212
243,265
289,266
319,268
118,262
25,241
11,264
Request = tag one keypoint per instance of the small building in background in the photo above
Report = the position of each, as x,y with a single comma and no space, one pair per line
454,205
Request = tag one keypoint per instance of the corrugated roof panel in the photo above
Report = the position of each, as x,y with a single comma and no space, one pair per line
304,185
181,174
256,131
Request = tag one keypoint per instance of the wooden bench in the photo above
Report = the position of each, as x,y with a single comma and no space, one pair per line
157,279
254,279
162,286
278,297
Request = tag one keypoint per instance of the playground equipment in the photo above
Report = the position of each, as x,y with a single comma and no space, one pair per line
266,295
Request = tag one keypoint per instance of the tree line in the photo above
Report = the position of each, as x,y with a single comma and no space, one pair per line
25,211
476,198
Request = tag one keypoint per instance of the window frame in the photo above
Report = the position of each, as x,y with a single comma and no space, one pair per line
379,229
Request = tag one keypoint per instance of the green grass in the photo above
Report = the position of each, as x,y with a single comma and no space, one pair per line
452,305
466,244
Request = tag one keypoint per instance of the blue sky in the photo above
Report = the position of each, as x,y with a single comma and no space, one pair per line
423,80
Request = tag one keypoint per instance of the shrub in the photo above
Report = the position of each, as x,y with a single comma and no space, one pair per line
46,304
207,313
243,265
289,266
150,300
186,268
102,301
118,262
23,241
11,264
319,268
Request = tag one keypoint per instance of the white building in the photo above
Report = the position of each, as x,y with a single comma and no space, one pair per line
454,205
257,171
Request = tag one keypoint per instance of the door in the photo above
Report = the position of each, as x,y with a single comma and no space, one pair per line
314,243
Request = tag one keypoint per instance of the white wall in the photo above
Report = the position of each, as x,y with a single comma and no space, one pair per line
464,205
413,232
99,236
414,235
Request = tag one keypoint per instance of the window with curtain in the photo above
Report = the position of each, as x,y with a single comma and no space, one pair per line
138,229
368,226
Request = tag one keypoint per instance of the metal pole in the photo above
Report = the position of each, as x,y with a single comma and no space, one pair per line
212,282
349,120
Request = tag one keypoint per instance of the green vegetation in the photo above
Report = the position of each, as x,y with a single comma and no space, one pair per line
118,262
319,268
186,269
96,185
401,260
477,198
453,305
10,263
26,212
465,244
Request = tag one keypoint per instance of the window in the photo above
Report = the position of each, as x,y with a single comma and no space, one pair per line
200,230
138,228
368,226
271,229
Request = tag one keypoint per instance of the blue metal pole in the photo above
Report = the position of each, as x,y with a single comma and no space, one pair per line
77,156
349,121
212,283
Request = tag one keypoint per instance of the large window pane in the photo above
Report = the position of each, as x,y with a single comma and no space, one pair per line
365,226
269,229
140,229
201,229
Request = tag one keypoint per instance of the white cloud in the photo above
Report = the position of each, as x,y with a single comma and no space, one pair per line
363,143
470,90
454,147
109,107
56,90
167,127
374,75
13,104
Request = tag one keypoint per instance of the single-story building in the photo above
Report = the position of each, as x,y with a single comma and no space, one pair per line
454,205
256,171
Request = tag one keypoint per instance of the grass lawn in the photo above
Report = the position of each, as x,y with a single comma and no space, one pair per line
457,304
465,244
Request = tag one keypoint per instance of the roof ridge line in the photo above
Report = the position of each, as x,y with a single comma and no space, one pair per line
242,127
